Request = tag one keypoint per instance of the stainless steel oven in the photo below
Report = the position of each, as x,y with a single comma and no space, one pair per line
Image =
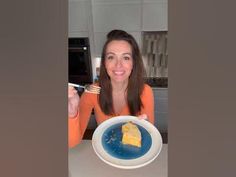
80,68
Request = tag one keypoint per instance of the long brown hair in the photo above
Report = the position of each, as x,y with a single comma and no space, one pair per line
136,79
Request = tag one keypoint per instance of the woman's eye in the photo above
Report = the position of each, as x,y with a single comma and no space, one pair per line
126,58
110,57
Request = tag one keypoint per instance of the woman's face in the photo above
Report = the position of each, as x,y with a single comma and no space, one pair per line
118,60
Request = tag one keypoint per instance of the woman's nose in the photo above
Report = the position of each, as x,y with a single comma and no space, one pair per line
118,63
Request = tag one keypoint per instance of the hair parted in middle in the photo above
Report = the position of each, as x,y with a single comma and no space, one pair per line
136,79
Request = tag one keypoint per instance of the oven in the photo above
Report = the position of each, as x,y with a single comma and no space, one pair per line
80,68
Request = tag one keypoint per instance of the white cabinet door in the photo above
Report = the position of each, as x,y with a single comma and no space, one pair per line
155,15
115,14
78,18
161,108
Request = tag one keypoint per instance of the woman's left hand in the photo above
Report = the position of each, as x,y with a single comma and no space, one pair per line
143,116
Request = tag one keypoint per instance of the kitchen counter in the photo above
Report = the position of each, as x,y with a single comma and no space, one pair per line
157,82
83,162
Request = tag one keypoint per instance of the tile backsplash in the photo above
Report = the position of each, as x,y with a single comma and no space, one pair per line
155,54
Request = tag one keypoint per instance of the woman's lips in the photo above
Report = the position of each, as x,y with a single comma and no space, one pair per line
118,73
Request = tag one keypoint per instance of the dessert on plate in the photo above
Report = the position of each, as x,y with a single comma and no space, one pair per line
131,134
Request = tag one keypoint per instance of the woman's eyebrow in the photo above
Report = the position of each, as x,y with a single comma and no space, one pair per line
110,53
127,53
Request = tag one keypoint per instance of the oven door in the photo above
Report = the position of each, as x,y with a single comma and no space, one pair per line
80,70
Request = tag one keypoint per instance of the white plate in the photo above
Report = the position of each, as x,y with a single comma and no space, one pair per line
107,144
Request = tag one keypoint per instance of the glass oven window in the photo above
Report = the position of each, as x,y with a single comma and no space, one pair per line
77,62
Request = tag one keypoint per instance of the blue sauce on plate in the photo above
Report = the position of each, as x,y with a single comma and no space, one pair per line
111,142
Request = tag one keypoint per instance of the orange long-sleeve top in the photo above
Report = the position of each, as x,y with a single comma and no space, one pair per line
89,101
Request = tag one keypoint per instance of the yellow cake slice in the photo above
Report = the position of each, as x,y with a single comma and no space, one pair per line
131,134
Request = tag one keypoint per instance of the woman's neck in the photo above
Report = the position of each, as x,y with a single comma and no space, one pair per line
119,87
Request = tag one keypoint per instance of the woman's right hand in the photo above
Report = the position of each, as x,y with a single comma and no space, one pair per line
73,102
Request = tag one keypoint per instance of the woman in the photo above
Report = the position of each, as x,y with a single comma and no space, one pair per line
123,91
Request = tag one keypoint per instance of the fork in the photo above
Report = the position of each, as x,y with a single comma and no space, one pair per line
87,88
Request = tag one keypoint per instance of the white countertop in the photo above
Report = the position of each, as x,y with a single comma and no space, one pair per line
83,162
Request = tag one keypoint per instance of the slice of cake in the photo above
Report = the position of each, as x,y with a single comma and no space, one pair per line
131,134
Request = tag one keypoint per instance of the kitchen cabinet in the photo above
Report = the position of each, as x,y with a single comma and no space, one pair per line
79,18
155,15
161,108
111,14
97,17
133,16
108,15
